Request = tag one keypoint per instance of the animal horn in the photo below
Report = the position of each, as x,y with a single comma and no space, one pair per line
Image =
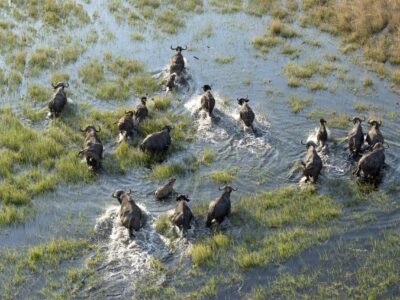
302,142
54,86
220,189
173,48
66,85
380,123
234,189
386,145
113,195
80,128
130,192
363,119
98,129
185,48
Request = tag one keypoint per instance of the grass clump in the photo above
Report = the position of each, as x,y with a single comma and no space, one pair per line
168,170
17,60
223,177
122,66
130,157
205,32
362,107
317,85
163,226
143,84
112,90
59,77
298,104
169,21
136,36
367,82
70,53
162,103
291,50
91,72
333,118
224,59
278,28
42,58
38,93
207,156
225,6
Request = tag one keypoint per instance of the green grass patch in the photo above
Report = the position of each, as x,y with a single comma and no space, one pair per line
42,58
224,59
38,93
334,119
168,170
169,21
92,72
223,177
161,103
296,104
207,156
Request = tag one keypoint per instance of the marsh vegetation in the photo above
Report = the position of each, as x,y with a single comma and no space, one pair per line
59,231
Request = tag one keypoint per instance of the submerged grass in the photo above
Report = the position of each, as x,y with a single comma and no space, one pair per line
297,104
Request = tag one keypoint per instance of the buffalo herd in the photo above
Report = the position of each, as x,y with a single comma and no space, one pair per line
371,162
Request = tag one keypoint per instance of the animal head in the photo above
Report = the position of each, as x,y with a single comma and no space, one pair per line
182,197
60,84
227,189
167,128
118,193
143,100
309,144
179,49
356,120
375,123
206,87
322,121
171,181
90,128
173,76
380,146
242,100
129,113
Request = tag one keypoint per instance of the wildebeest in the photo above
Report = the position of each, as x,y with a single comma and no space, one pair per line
58,99
183,216
374,134
220,207
246,113
372,163
171,82
312,163
92,147
356,136
141,110
158,141
126,124
130,214
207,100
165,190
322,135
176,62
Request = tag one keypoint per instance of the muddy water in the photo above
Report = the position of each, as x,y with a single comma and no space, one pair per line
264,159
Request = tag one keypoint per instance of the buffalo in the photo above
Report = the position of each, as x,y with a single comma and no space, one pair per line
372,163
126,124
220,207
246,113
322,135
93,148
158,141
374,134
312,163
207,100
59,99
183,216
165,190
130,215
176,62
141,111
356,136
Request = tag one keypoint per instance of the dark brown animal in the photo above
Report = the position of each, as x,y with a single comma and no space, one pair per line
158,141
165,190
374,134
58,100
93,148
176,62
322,135
246,113
356,136
126,125
141,111
171,82
183,216
207,100
220,207
312,163
130,214
372,163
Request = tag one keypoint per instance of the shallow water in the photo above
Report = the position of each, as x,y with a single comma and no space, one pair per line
264,159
